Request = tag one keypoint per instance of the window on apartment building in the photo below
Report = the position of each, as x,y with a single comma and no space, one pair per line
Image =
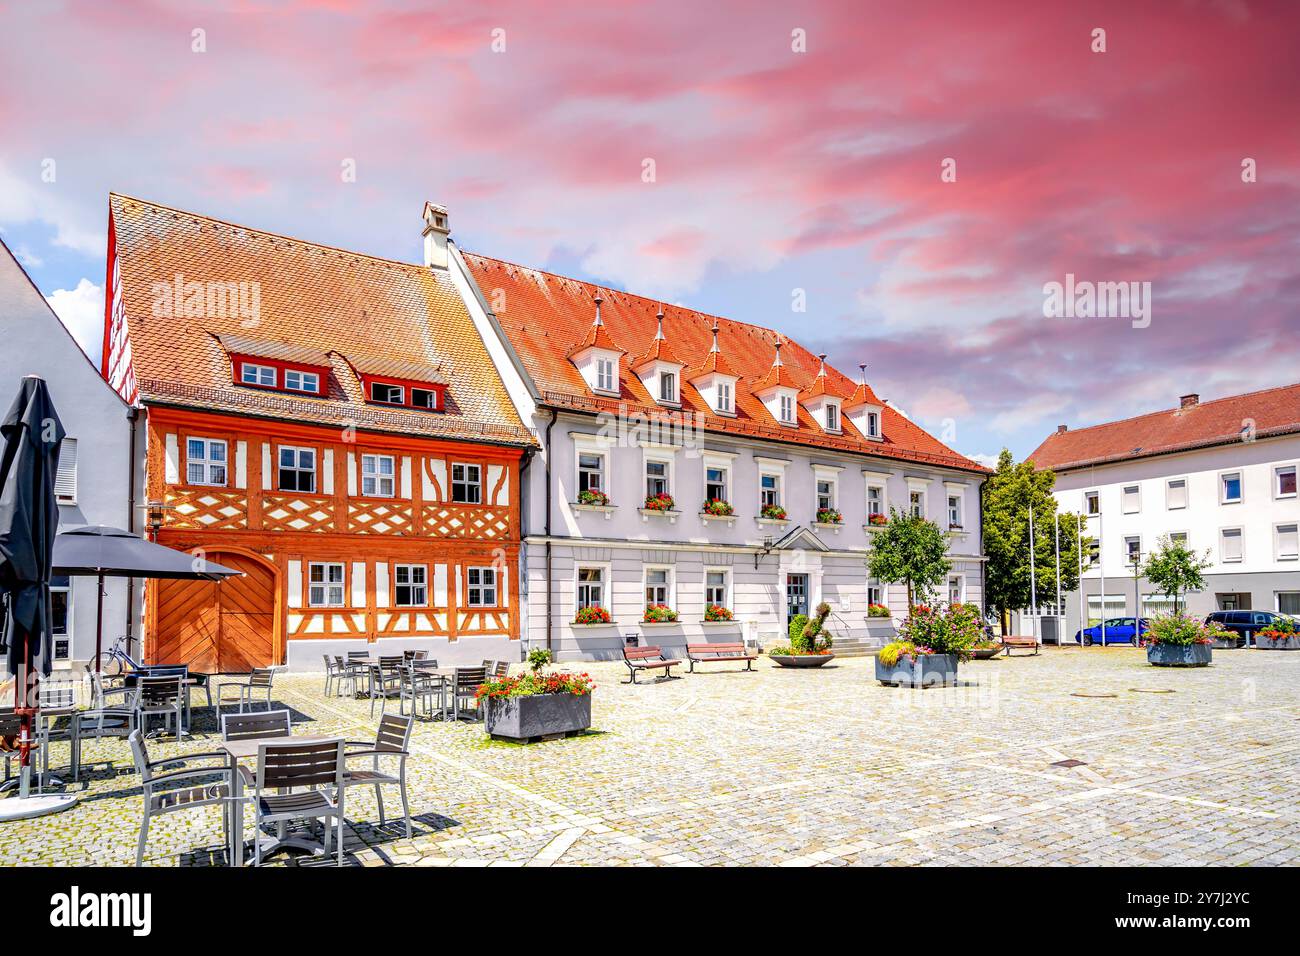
875,500
605,374
378,476
591,471
1288,542
1230,488
832,417
656,586
1230,545
1288,602
298,469
715,483
667,387
1092,502
263,375
299,381
724,396
954,511
1092,552
1132,548
424,398
656,478
591,587
873,425
825,494
410,585
715,588
1132,499
325,584
65,481
770,490
205,461
466,484
916,503
1176,493
387,394
1284,482
61,615
1178,537
481,586
786,404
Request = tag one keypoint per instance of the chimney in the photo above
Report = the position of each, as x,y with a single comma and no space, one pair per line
1062,429
436,232
1187,401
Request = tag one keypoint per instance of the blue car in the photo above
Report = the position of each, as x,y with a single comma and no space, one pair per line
1119,630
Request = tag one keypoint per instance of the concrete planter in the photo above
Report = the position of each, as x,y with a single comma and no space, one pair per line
1179,655
928,670
1291,643
538,716
985,653
802,660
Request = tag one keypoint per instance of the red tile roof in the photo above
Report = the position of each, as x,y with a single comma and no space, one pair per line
1273,411
347,309
544,315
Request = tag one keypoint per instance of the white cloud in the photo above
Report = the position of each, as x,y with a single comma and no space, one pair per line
988,461
82,311
27,199
27,258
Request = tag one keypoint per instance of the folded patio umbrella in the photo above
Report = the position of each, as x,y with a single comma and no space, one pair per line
102,552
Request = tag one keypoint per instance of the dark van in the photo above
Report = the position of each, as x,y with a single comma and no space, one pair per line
1245,623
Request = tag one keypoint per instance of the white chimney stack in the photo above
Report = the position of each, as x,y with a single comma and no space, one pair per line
436,232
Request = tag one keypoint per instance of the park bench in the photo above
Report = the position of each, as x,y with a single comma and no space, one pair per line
1022,642
699,653
648,658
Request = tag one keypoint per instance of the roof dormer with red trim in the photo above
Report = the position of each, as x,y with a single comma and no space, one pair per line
276,366
660,370
823,400
597,358
779,392
716,380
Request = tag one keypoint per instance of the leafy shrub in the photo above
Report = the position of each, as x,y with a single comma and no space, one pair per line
538,658
797,624
952,630
889,654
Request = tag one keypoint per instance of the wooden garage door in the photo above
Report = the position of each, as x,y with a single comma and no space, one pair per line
227,627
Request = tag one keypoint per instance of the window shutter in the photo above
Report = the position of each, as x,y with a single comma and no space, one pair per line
65,483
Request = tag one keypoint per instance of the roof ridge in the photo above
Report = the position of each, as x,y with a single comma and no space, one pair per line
1167,411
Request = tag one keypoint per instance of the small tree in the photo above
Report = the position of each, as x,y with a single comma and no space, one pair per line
910,550
1175,569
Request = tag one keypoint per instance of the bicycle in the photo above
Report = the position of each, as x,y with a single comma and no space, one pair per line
115,661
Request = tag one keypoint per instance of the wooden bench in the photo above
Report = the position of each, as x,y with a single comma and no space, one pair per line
699,653
1010,641
648,658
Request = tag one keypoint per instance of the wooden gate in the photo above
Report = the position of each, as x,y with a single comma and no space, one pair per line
227,627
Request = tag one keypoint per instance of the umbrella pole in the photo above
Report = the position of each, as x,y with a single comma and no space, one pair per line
99,624
24,711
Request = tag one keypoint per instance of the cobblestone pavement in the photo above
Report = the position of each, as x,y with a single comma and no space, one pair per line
795,767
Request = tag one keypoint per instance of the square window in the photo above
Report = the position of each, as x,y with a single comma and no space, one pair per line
1288,542
770,490
954,511
1284,482
591,472
825,494
410,585
656,586
1132,549
1230,546
1132,499
1230,488
1176,494
604,375
378,476
297,469
916,503
467,484
875,500
715,484
656,478
1092,502
715,588
296,381
481,585
325,584
261,375
424,398
387,394
591,587
205,461
875,593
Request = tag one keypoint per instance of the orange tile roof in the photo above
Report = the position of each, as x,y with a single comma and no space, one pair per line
544,314
314,299
1273,411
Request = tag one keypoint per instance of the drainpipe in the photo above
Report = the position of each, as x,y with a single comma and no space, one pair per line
546,450
133,416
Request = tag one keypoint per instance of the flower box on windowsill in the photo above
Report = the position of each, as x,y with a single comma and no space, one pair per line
607,510
873,527
731,623
648,513
777,522
829,525
583,627
676,623
707,518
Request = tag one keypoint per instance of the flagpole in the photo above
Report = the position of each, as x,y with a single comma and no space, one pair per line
1033,583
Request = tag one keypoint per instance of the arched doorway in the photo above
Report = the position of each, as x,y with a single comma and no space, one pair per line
227,627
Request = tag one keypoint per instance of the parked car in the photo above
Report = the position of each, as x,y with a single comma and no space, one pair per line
1119,630
1245,623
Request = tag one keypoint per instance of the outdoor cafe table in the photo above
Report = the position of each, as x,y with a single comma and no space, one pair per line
247,750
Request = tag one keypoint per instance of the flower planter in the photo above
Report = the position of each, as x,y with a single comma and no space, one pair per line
802,660
660,623
1289,643
536,716
928,670
985,653
1179,655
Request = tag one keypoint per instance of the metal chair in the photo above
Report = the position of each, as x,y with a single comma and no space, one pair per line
333,672
313,769
392,740
259,682
102,719
385,682
163,696
463,687
256,726
11,726
420,687
359,666
169,792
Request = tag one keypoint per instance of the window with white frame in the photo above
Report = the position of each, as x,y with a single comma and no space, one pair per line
1092,502
667,387
591,471
1178,537
61,615
299,381
387,394
916,503
466,483
1176,493
715,587
873,424
1288,542
378,476
1092,552
956,589
1132,499
1288,602
954,511
825,494
297,470
786,405
65,480
424,398
1284,482
875,592
205,461
591,587
770,489
832,417
410,585
1132,548
325,584
1230,488
1109,606
263,375
604,374
481,586
656,478
724,397
658,586
875,500
1153,604
715,483
1230,545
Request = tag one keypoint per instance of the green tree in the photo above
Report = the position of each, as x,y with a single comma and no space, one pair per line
910,550
1174,568
1009,496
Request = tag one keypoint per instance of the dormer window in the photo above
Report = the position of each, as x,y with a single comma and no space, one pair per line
296,380
271,364
260,375
873,425
832,417
385,386
667,387
424,398
387,394
724,397
787,409
604,374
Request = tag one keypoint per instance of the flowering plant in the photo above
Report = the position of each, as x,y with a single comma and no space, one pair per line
829,516
592,615
658,614
953,630
775,512
532,683
1278,631
1179,629
877,520
877,610
891,652
660,502
716,612
807,634
716,506
954,526
591,496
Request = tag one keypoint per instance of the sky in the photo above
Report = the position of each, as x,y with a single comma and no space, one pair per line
897,184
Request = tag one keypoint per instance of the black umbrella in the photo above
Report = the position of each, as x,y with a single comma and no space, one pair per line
111,552
29,521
